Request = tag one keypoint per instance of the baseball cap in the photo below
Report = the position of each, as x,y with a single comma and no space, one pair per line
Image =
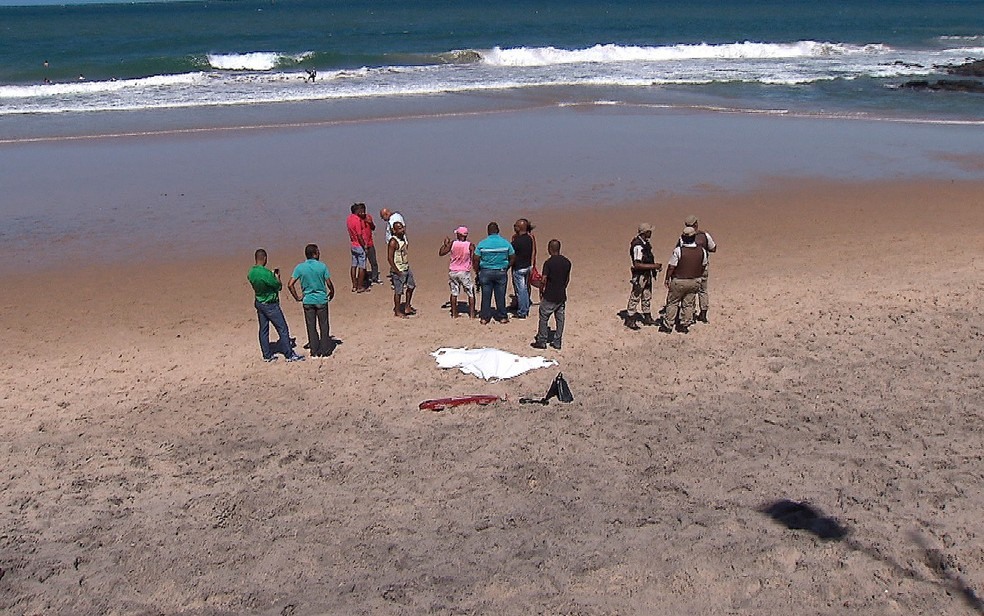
689,231
645,226
461,231
690,221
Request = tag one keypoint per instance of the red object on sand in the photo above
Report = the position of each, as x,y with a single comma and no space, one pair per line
439,404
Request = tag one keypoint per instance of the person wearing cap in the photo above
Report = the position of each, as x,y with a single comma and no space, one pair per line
705,241
460,269
686,267
400,273
644,266
493,257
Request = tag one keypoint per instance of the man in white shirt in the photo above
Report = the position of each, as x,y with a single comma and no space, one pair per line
390,218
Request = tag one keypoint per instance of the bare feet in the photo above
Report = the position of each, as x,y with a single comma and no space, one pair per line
399,315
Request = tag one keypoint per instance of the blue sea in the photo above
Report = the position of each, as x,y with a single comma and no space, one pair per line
839,58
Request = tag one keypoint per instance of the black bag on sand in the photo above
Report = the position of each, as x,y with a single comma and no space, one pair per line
558,388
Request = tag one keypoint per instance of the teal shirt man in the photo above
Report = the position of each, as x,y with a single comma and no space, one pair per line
493,252
312,274
265,285
492,258
316,290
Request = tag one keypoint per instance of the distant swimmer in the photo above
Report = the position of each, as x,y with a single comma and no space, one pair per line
311,74
81,77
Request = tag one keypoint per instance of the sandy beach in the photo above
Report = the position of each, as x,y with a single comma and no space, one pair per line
153,464
816,447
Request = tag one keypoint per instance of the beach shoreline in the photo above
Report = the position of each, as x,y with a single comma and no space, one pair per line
108,198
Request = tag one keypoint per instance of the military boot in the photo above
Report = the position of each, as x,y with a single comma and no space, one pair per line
647,319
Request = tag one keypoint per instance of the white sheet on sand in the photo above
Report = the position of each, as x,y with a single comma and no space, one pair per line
489,363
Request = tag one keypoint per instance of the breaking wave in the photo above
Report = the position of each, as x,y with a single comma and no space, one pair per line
255,61
545,56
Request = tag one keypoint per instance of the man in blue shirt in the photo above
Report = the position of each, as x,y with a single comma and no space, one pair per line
316,291
493,257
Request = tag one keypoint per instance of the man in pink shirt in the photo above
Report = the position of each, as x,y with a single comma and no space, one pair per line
357,236
460,270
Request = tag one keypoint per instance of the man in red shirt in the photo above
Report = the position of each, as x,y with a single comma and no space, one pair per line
372,276
357,237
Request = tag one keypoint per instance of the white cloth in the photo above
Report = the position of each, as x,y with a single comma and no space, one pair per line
489,363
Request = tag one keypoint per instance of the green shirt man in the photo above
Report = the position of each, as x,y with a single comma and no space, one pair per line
265,284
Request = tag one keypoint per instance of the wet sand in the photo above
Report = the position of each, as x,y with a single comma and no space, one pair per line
287,179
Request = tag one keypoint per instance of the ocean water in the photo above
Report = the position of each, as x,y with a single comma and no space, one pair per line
841,58
194,120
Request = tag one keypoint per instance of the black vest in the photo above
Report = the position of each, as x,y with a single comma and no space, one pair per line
647,253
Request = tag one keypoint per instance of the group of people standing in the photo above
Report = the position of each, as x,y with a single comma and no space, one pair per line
685,280
309,284
490,261
485,266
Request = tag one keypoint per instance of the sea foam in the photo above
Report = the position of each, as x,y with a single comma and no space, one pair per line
545,56
254,61
268,77
100,87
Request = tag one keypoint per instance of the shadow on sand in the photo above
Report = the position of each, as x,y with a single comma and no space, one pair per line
805,517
